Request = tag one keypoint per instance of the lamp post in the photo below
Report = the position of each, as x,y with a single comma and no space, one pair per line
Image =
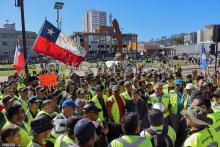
20,3
58,6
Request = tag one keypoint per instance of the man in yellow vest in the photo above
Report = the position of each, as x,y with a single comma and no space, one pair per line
33,109
169,86
47,108
100,101
67,139
91,113
158,127
200,135
23,92
205,103
16,115
161,97
60,121
187,100
115,105
131,128
41,127
176,98
128,89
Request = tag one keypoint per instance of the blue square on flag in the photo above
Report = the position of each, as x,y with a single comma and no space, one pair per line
50,32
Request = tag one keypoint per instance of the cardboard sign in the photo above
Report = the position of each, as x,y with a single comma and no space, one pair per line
48,79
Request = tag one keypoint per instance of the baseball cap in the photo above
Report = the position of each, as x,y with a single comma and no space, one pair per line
69,103
84,130
33,99
197,115
39,88
22,89
178,82
7,99
90,107
189,86
115,87
40,124
126,83
45,102
100,87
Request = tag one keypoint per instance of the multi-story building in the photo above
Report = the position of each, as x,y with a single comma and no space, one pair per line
8,39
190,39
93,19
141,47
103,43
206,34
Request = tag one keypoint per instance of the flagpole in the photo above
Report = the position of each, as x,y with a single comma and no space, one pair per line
23,35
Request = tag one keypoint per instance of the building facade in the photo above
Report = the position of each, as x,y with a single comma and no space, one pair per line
93,19
190,39
8,39
103,43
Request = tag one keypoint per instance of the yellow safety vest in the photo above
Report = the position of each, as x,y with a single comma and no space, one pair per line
165,100
29,116
115,109
42,112
215,121
126,96
20,85
63,140
174,101
98,105
185,103
23,103
171,133
204,138
131,140
24,132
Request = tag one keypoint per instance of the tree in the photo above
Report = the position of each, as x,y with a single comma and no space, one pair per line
178,40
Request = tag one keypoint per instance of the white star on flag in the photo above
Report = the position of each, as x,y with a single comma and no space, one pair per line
50,31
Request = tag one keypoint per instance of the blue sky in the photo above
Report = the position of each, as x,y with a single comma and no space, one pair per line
148,18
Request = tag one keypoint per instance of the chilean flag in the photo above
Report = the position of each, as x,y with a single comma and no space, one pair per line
19,60
52,42
203,59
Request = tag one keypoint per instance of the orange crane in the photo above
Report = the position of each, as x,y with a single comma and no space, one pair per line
117,34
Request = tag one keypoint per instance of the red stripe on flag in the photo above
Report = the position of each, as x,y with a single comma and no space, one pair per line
49,48
20,63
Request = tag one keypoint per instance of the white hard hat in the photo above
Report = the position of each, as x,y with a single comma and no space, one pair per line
189,86
159,106
59,124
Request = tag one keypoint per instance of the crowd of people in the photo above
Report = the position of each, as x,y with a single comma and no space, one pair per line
114,109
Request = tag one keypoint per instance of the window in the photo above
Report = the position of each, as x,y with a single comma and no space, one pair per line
6,51
4,43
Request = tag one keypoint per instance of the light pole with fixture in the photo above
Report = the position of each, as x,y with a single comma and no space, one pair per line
58,6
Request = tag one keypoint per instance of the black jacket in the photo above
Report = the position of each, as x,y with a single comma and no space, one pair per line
142,111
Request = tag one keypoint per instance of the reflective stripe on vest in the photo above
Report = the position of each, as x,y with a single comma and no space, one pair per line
135,144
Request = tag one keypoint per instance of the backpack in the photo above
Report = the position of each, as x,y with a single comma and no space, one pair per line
162,139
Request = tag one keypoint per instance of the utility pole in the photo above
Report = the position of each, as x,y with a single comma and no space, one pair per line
216,55
20,3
